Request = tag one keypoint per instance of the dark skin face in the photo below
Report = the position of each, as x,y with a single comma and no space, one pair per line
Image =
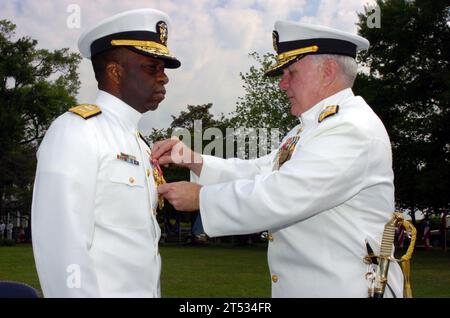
138,80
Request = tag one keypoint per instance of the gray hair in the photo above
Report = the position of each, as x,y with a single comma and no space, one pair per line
347,65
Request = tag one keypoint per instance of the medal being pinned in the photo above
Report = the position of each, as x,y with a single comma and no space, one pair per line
159,180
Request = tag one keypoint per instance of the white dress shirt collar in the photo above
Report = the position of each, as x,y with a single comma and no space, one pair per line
124,112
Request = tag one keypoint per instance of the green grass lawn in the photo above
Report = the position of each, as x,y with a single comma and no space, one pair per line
214,271
226,271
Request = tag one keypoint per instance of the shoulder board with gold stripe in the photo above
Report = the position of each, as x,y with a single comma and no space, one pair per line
328,111
86,110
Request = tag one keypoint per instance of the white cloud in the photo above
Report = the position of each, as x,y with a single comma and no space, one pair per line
341,14
211,38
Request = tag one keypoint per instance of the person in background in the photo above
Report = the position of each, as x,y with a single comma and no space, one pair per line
2,229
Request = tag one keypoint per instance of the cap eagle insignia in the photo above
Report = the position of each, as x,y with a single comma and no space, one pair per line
161,28
275,40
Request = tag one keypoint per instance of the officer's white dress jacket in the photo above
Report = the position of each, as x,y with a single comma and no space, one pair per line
334,193
94,230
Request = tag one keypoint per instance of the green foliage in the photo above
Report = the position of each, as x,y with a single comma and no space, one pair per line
408,85
199,112
186,120
264,105
36,86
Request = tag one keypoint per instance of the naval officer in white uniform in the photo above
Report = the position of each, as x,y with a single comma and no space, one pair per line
326,190
95,232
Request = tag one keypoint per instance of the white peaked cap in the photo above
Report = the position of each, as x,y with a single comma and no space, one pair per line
144,31
292,41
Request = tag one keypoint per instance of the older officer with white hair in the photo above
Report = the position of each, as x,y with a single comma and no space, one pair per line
323,193
95,232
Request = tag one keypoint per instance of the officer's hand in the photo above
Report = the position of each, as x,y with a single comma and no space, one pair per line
184,196
174,151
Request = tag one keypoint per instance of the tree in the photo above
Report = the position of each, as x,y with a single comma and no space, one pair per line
408,85
186,120
264,105
199,112
36,86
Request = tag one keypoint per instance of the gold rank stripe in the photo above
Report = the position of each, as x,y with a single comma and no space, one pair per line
328,111
86,110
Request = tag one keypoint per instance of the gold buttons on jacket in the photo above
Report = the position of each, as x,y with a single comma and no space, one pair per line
148,172
274,278
270,238
131,180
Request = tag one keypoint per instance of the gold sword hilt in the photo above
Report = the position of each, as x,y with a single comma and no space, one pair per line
387,241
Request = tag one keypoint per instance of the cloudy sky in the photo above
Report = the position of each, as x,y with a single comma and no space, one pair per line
212,38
